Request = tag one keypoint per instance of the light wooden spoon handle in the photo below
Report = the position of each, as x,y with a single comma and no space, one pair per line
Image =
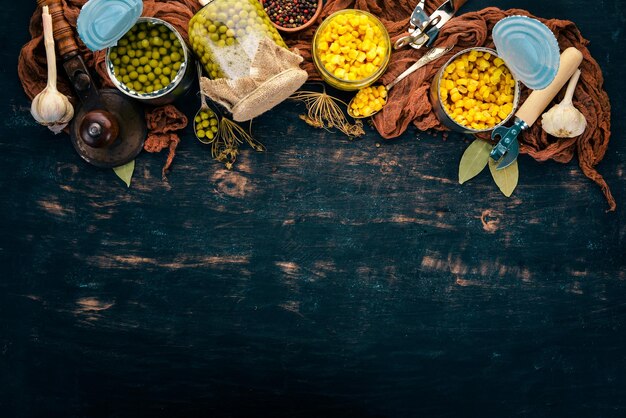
538,100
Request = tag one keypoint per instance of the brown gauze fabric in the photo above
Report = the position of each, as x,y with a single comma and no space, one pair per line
32,68
409,101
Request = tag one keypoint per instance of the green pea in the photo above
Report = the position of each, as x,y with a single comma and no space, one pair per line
133,75
175,56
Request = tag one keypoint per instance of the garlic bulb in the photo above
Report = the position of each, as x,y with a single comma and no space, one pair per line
51,108
564,120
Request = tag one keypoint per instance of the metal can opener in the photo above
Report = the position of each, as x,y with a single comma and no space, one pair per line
506,150
423,29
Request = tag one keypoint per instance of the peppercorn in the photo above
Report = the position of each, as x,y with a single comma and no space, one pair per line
290,13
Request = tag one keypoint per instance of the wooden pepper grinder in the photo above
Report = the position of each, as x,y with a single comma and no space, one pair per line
108,130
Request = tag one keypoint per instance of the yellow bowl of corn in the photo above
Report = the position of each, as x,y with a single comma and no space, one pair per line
351,49
474,91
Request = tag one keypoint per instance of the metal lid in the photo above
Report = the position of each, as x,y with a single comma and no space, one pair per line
529,49
101,23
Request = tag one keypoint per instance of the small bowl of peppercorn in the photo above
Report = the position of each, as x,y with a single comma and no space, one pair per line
292,15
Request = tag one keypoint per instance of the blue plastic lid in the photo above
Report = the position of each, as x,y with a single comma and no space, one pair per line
101,23
529,49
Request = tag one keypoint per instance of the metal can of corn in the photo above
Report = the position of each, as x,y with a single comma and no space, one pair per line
486,101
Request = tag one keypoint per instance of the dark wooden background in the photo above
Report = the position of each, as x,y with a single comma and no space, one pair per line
322,278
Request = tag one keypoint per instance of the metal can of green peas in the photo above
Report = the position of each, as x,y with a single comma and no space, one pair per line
225,36
151,63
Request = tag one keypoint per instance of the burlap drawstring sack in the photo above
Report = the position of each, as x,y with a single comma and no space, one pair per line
275,75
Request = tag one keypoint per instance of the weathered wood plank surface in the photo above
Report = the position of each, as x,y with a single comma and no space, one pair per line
322,278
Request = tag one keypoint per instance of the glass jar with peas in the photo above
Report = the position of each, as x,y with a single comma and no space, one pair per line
225,36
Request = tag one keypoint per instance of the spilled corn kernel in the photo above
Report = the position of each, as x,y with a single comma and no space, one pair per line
368,101
477,90
352,46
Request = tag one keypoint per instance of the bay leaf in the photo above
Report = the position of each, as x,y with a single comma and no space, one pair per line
474,160
125,172
507,178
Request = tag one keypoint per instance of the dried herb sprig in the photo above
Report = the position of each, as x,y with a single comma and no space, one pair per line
225,146
324,111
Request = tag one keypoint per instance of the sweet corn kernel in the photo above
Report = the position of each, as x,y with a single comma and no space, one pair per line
353,43
369,100
477,90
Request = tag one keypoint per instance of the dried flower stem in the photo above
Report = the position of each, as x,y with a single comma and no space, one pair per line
325,112
225,146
